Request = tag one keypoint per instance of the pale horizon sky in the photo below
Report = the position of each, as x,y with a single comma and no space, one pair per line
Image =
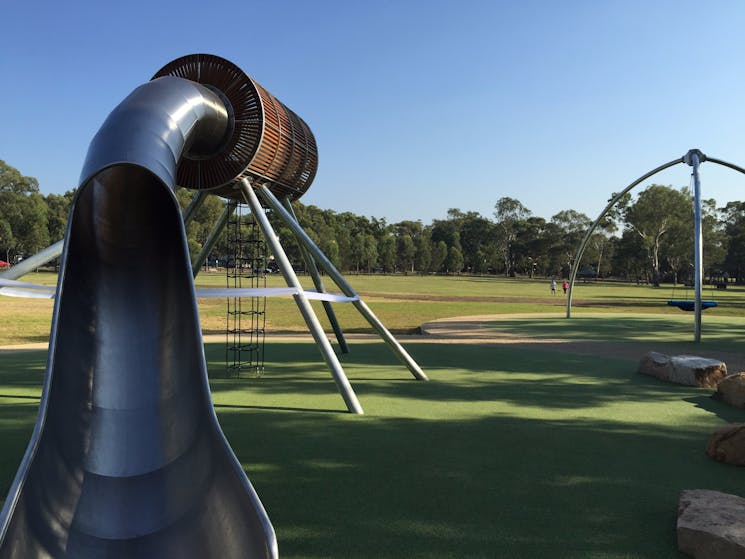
417,106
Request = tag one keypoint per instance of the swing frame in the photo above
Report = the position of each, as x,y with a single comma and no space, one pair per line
693,158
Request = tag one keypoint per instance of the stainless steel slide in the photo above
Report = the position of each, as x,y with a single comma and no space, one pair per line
127,458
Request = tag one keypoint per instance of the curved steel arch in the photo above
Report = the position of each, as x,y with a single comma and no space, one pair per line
726,164
614,201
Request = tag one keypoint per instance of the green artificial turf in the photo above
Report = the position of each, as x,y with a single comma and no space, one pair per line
670,332
504,453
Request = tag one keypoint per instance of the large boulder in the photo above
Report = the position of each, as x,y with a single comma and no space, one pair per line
711,525
728,444
689,370
731,390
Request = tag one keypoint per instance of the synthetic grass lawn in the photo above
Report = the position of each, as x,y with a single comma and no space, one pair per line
673,332
504,453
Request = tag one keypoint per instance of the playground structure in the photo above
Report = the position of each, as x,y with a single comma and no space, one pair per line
693,158
127,458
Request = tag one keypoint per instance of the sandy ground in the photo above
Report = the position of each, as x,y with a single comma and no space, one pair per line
472,330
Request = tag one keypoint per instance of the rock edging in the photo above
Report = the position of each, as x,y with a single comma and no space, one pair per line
688,370
711,525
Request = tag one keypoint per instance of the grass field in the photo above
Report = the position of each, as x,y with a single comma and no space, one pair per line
404,303
504,453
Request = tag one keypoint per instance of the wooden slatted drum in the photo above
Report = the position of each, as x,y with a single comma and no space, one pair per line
268,143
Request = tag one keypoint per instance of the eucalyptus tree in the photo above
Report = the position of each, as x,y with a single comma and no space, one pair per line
733,218
58,208
658,211
7,241
332,252
601,242
571,226
406,235
387,252
371,248
508,213
359,250
423,242
406,253
345,225
447,230
439,254
600,249
629,257
476,234
23,213
532,246
714,236
454,262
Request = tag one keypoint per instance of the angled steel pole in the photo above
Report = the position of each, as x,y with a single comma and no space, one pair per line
32,262
694,158
211,241
725,164
318,283
339,280
350,398
194,205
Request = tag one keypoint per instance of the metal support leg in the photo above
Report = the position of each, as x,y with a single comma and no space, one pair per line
350,398
194,205
211,241
335,275
318,283
31,263
694,158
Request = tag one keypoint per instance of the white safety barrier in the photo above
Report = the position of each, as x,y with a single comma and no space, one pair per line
13,288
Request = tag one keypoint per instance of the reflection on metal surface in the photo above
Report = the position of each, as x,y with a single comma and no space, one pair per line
268,140
127,458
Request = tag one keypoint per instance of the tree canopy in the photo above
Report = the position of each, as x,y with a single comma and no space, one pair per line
649,238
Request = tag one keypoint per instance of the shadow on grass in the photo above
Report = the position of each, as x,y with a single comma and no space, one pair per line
505,453
620,302
724,411
617,328
219,407
487,487
458,373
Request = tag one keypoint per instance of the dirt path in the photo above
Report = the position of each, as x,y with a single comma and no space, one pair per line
472,329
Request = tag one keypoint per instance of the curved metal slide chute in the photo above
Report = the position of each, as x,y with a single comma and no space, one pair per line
127,458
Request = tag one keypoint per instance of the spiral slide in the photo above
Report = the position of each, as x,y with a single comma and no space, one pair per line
127,458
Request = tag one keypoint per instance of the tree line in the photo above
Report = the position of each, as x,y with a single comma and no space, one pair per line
649,238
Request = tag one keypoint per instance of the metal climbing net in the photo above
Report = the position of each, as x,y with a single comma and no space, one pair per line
246,316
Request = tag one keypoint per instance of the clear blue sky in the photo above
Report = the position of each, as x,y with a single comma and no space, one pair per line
417,105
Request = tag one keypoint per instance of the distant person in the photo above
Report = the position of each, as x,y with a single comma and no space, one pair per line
565,286
553,287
